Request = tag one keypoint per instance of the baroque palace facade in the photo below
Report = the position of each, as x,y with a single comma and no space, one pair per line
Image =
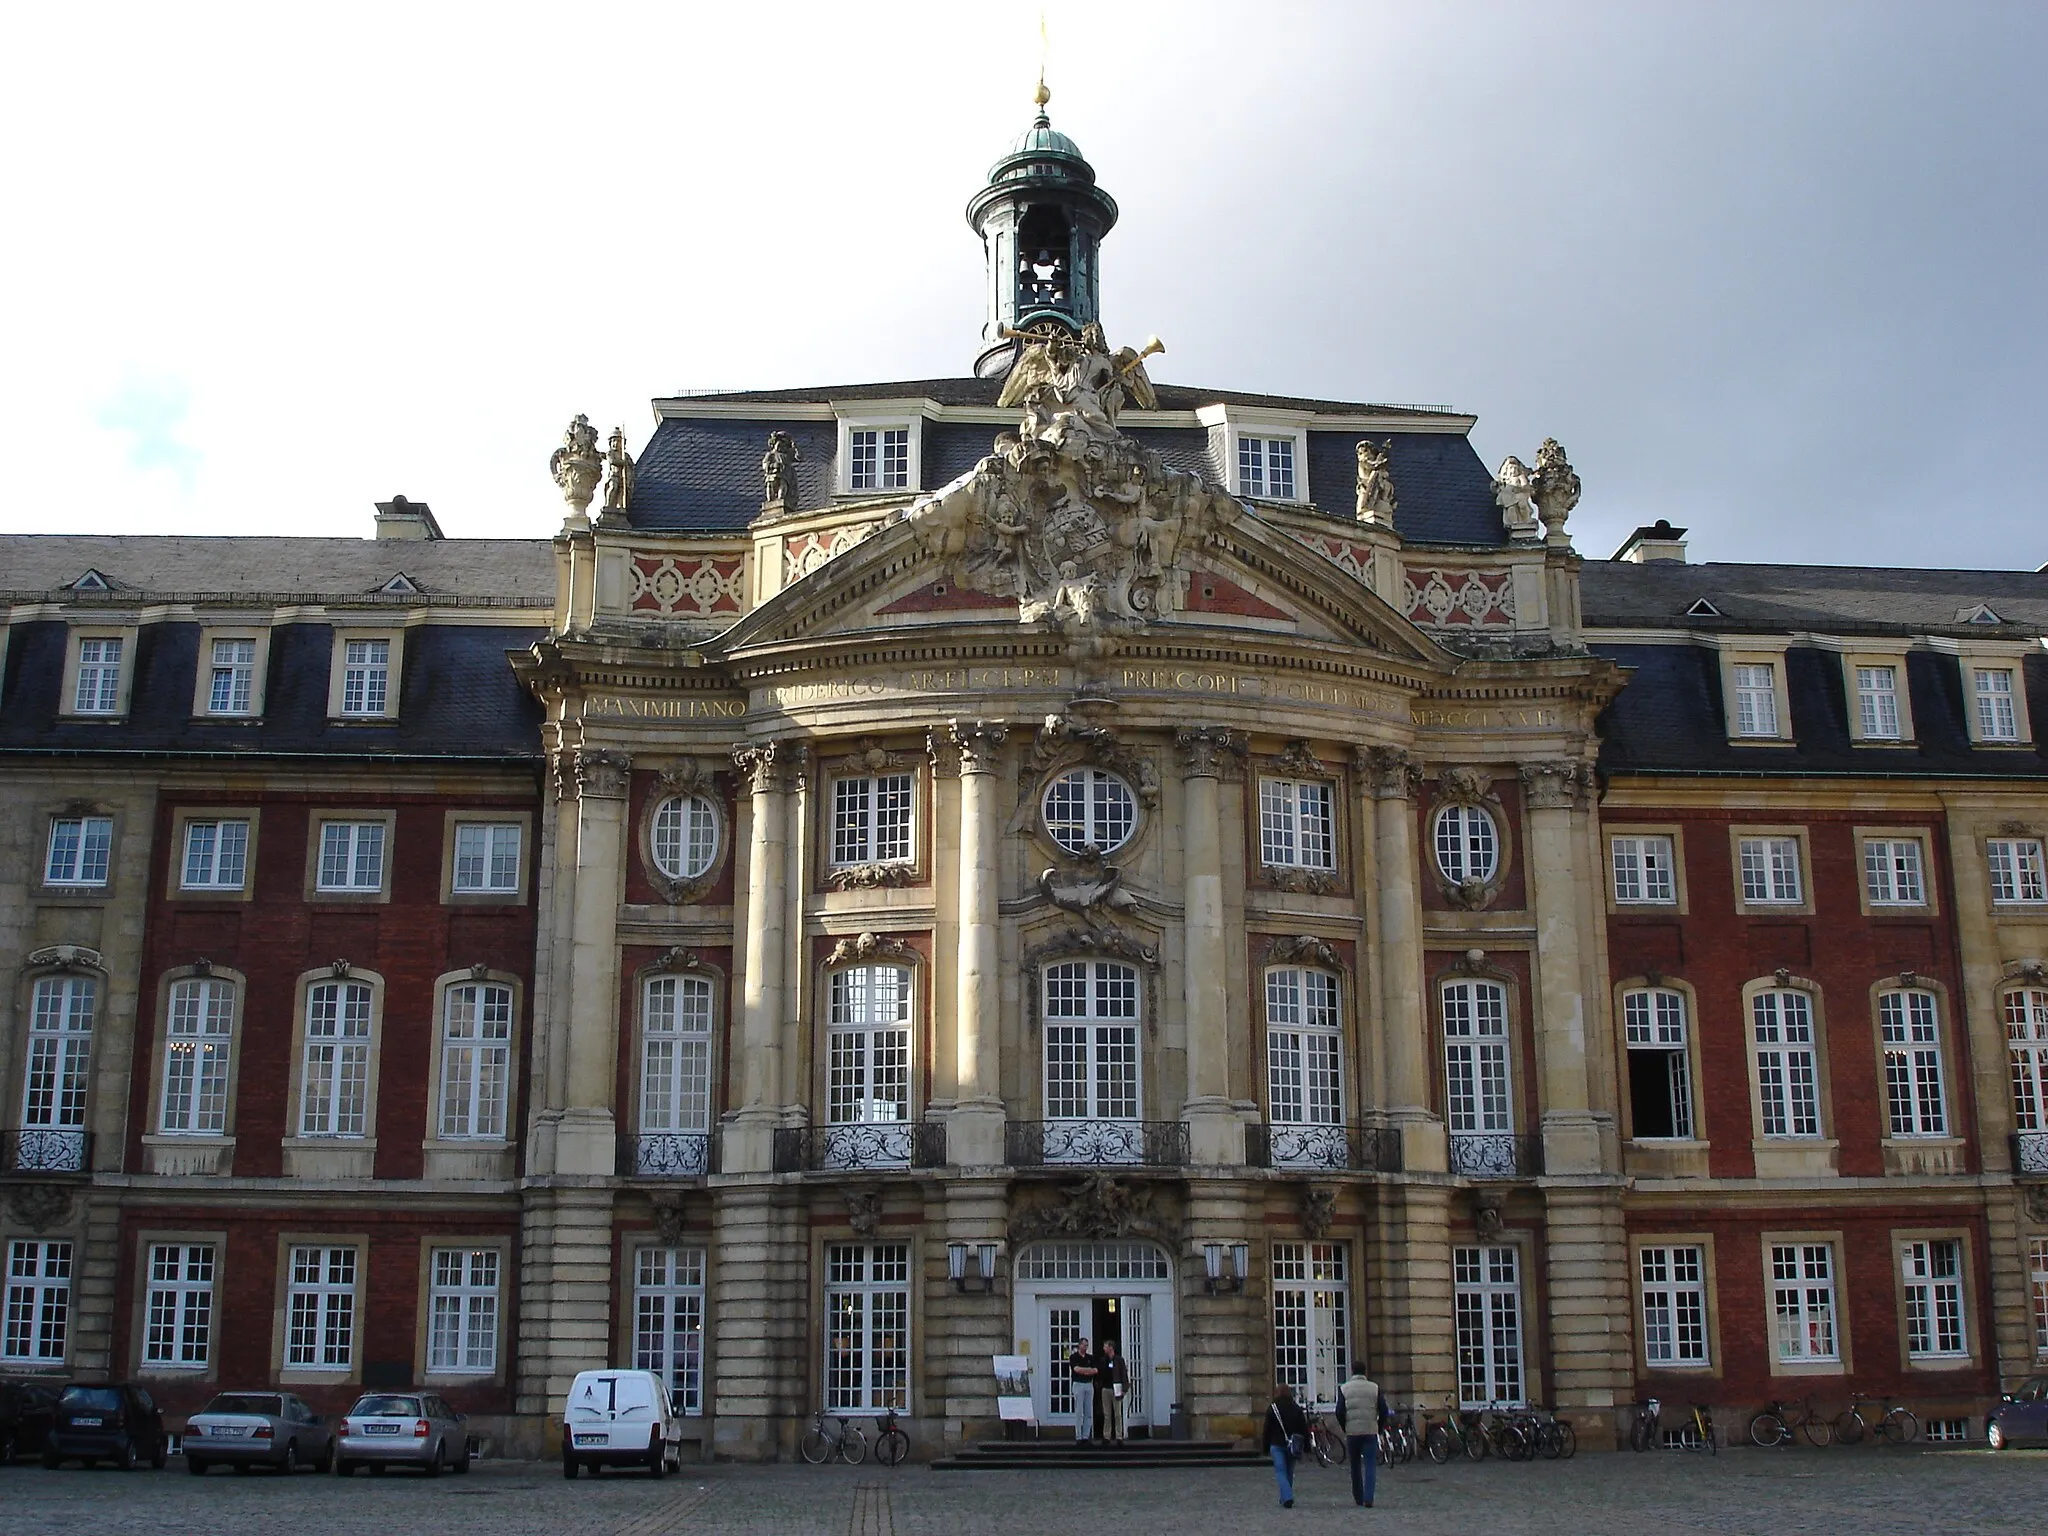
940,869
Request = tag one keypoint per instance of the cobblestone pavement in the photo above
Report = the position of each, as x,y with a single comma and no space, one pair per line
1869,1492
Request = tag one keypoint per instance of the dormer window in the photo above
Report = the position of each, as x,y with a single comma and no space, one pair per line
1756,701
879,459
1996,718
363,676
99,678
1265,468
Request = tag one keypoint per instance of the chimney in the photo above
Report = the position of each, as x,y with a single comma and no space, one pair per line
1659,541
402,519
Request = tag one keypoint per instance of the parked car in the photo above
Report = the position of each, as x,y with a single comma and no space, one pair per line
26,1408
106,1422
402,1429
257,1429
620,1419
2019,1416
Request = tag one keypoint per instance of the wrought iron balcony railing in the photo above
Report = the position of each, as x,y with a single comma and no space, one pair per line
45,1149
2030,1153
668,1154
876,1145
1367,1148
1131,1143
1496,1155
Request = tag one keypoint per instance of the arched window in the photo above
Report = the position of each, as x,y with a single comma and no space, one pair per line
685,836
1467,844
335,1085
1787,1070
58,1074
1090,808
867,1065
1659,1064
199,1040
1911,1026
476,1061
2026,1039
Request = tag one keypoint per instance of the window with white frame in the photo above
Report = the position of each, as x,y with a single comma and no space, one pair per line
335,1082
1487,1302
2017,872
1659,1064
668,1320
867,1045
675,1055
1803,1302
2026,1039
1756,699
80,849
1091,1041
878,459
1467,844
1674,1284
1787,1072
2037,1272
1476,1057
365,676
1090,808
871,819
685,837
1892,874
1297,824
1770,871
1877,703
462,1326
867,1327
1997,720
1911,1028
1311,1320
1304,1047
177,1329
38,1316
476,1061
487,857
231,682
199,1037
1932,1272
1265,467
351,856
1644,871
320,1309
98,689
58,1073
216,856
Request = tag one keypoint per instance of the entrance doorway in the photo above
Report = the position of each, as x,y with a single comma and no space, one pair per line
1122,1291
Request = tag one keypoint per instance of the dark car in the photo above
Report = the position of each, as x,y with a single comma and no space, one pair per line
2020,1416
26,1408
104,1422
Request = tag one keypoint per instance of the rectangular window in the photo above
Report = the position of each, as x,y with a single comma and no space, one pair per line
234,673
1756,699
1912,1063
1770,870
1476,1057
58,1072
487,856
80,848
1674,1306
1659,1064
198,1046
881,459
178,1316
1892,874
675,1055
337,1067
99,678
1933,1274
871,820
1487,1299
1643,871
2016,870
1996,719
1265,467
668,1320
351,856
320,1315
1787,1077
867,1327
1304,1054
216,856
1297,825
1091,1041
476,1062
2026,1039
1803,1300
1311,1321
1877,702
38,1301
867,1046
2037,1270
462,1329
365,676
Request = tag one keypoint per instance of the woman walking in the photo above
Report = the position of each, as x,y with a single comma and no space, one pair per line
1286,1435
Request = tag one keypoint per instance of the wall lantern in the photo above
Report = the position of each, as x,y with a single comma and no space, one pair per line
1240,1266
984,1276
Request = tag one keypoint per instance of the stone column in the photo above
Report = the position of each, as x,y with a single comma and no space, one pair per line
974,1136
1215,1129
1554,793
769,772
587,1140
1395,778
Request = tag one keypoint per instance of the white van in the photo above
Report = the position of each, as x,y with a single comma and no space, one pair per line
620,1419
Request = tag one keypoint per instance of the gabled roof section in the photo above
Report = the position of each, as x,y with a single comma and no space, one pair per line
402,583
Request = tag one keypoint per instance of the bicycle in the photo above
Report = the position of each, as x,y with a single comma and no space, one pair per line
1553,1438
822,1443
1326,1440
1897,1425
1642,1433
1459,1431
1506,1434
891,1443
1696,1433
1777,1424
1397,1437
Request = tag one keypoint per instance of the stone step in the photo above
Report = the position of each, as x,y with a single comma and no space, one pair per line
1064,1455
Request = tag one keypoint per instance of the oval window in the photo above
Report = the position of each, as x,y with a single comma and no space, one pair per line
1089,808
1467,846
685,836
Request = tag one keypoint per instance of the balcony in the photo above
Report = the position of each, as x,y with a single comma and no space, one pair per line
1086,1143
2030,1154
45,1149
1312,1148
1496,1155
876,1145
668,1155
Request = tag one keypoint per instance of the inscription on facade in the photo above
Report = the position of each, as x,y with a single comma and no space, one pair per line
1485,717
619,706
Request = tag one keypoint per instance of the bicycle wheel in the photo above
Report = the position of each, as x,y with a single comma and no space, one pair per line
892,1447
1689,1436
1475,1444
1515,1444
853,1446
1329,1444
1849,1427
1900,1426
1436,1444
1818,1431
1550,1440
816,1447
1568,1439
1707,1429
1640,1433
1767,1430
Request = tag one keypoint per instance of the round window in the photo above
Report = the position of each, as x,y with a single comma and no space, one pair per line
1088,808
685,836
1467,846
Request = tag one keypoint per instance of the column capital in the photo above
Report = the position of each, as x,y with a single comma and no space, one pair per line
1392,773
1210,751
601,773
1558,785
770,767
978,743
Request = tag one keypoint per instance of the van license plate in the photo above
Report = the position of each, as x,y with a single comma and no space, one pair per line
591,1439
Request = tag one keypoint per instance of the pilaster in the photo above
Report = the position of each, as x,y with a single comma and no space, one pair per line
1592,1354
1555,794
974,1135
768,773
1394,778
1215,1128
1408,1289
585,1139
761,1308
565,1305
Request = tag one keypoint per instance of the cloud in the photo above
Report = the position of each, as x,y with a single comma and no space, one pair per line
152,413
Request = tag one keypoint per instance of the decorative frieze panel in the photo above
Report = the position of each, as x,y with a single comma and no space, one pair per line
1455,599
1355,559
687,586
803,553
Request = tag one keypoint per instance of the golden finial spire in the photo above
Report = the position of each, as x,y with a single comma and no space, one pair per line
1042,95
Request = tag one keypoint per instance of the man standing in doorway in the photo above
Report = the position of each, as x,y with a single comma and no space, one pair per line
1081,1370
1362,1409
1114,1379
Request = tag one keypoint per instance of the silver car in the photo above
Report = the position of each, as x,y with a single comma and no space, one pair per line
402,1429
257,1429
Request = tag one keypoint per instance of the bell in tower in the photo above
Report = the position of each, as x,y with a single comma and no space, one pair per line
1041,219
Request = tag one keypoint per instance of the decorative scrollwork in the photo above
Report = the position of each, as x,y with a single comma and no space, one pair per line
864,1210
677,958
1394,775
1298,762
671,1219
602,773
1496,1155
2030,1152
864,947
1318,1209
1292,877
672,1154
978,743
1097,884
64,957
1555,786
45,1149
1041,1143
1062,739
39,1207
691,776
869,877
1099,1206
1209,751
869,756
1302,949
771,767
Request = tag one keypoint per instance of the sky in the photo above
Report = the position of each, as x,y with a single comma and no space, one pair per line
1772,271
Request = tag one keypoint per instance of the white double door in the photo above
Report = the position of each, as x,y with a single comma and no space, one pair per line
1061,1321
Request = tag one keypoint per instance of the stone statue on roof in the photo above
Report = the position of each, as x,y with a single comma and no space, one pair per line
1514,492
618,485
1557,487
1376,482
576,466
1089,384
778,471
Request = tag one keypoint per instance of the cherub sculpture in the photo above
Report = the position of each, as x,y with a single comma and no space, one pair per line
1514,492
1375,482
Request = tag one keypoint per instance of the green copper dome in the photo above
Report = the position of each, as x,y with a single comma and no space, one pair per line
1041,138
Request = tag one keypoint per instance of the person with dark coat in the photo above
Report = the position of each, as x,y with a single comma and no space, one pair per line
1113,1381
1285,1437
1361,1410
1081,1371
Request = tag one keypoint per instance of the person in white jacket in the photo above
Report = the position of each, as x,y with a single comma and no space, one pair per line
1362,1409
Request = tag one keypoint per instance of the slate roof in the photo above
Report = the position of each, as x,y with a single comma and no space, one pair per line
1619,594
978,391
508,572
